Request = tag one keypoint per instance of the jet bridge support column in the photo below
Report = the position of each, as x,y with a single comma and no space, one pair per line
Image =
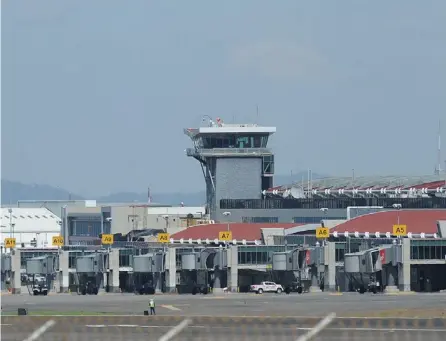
330,267
314,280
232,255
113,270
217,281
171,270
16,280
404,266
63,277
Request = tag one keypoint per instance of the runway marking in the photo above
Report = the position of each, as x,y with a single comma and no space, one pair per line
236,316
170,307
40,331
282,327
382,329
175,330
317,328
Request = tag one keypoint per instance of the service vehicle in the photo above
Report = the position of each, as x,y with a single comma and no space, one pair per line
40,288
266,287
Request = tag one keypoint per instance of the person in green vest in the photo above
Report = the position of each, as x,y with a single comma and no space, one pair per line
152,306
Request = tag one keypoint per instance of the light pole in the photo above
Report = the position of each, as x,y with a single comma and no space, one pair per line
227,214
325,211
398,208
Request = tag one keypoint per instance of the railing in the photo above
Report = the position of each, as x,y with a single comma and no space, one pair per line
228,151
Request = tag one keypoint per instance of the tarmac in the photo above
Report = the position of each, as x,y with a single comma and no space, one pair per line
225,317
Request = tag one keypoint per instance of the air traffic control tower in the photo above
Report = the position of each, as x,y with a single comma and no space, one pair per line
234,159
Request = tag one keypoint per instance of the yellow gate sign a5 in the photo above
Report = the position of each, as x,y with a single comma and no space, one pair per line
163,237
10,243
58,241
107,239
399,230
225,236
322,232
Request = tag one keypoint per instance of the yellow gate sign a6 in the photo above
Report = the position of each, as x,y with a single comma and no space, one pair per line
225,235
163,237
58,241
107,239
10,243
322,232
399,230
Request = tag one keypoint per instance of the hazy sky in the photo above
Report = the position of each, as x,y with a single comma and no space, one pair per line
95,94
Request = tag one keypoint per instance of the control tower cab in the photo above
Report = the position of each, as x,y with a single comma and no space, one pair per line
235,161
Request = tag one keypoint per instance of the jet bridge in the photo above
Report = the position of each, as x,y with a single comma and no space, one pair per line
40,272
298,270
372,269
202,270
148,272
90,269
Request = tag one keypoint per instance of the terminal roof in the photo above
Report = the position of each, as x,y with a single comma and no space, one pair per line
240,231
379,185
416,221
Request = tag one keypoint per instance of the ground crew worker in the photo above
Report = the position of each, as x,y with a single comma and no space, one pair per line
152,307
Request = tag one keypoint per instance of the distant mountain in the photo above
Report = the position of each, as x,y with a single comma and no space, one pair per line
13,191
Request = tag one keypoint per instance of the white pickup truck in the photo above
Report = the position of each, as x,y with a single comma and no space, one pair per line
266,287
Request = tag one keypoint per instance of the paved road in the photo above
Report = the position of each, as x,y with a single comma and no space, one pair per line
350,304
136,328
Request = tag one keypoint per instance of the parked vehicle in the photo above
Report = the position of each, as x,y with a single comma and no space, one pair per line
266,287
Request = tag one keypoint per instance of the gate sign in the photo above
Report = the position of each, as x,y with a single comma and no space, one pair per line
107,239
322,232
163,237
399,230
10,243
58,241
382,255
225,236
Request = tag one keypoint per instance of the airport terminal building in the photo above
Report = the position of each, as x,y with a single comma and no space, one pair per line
327,234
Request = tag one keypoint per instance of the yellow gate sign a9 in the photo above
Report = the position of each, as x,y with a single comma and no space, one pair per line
107,239
399,230
10,243
58,241
322,232
225,235
163,237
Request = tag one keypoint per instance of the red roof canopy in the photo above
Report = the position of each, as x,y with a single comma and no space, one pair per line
239,231
417,221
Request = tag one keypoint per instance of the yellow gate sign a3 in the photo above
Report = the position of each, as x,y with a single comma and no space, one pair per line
163,237
322,232
225,236
58,241
400,230
9,243
107,239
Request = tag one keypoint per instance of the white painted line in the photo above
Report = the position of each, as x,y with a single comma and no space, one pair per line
317,328
170,307
40,331
96,326
388,330
175,331
240,316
